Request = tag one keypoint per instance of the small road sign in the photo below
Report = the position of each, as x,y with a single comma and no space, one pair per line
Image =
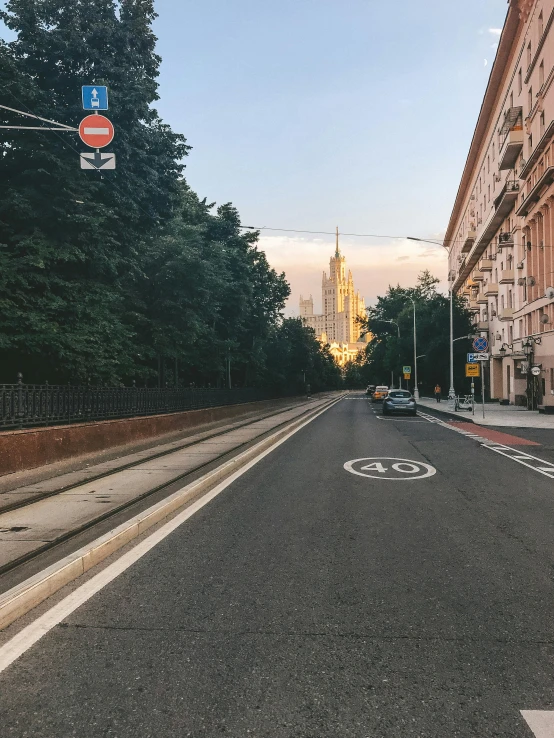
535,371
473,370
407,369
95,97
97,160
480,344
407,376
472,358
96,131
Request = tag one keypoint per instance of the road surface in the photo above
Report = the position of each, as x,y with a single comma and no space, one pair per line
413,598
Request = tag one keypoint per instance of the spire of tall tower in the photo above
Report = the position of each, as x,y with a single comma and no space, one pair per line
337,250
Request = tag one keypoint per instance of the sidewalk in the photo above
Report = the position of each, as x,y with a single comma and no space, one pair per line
507,416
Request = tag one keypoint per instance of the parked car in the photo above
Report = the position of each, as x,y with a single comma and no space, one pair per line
399,401
370,390
380,392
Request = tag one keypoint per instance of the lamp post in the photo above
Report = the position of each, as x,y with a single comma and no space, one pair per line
451,277
416,388
528,349
385,320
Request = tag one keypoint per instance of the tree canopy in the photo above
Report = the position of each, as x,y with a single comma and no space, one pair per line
127,274
390,321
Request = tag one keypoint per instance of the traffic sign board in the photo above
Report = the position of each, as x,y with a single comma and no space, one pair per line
480,344
97,160
535,371
407,376
473,370
477,357
95,97
96,131
407,369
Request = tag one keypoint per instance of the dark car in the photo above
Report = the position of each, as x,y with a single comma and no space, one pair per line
399,401
370,390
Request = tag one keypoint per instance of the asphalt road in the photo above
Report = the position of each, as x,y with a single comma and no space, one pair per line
310,602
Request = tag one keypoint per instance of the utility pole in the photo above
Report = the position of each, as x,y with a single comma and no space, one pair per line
451,391
416,388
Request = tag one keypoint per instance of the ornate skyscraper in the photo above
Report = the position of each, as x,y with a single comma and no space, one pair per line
341,306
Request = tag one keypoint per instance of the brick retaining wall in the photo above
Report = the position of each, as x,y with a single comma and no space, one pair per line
30,448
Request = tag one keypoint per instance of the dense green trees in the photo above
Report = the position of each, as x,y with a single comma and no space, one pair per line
127,275
392,345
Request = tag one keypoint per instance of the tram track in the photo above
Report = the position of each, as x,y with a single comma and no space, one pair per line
134,502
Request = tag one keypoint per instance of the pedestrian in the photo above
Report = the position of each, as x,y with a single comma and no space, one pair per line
438,392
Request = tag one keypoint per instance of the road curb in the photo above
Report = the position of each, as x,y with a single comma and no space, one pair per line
28,594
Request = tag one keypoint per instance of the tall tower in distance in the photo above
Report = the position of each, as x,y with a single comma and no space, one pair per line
341,305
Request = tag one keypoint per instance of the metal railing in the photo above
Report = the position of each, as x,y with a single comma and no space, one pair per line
30,405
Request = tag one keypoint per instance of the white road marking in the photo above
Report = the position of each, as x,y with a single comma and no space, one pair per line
33,632
546,468
541,722
403,468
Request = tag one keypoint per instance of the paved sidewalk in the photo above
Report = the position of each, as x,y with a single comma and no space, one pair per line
507,416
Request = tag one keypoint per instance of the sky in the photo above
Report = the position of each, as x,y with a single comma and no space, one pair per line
312,114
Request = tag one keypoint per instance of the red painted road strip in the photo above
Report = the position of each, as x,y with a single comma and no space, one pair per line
492,435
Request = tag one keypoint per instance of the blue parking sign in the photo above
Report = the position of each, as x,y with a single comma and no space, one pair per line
95,97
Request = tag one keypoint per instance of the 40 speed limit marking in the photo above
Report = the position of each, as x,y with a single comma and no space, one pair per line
390,468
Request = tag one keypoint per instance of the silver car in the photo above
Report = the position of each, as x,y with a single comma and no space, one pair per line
399,401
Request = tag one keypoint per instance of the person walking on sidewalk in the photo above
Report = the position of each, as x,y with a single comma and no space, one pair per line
438,392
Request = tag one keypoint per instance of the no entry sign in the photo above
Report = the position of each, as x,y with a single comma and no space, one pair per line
96,131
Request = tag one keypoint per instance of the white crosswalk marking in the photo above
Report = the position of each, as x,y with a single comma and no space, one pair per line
541,722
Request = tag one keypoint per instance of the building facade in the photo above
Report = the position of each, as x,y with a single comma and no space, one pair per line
337,325
500,237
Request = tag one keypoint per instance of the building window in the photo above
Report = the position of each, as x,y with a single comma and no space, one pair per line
489,193
529,55
488,163
530,143
551,377
519,82
541,122
541,73
541,24
493,152
512,99
530,99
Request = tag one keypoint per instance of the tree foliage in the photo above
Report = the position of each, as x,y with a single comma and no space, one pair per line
392,346
127,274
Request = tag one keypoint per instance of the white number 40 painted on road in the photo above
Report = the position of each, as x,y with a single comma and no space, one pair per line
378,467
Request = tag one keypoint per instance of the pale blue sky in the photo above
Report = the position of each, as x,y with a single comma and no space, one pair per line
311,113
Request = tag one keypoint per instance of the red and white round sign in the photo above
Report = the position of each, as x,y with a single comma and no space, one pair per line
96,131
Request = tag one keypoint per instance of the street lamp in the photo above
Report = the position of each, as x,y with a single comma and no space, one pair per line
416,389
395,323
451,278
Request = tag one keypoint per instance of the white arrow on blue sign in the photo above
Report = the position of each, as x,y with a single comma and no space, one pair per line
95,97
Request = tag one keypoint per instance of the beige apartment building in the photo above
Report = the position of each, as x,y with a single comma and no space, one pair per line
337,325
501,232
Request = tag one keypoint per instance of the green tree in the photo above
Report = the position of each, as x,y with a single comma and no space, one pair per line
71,242
388,351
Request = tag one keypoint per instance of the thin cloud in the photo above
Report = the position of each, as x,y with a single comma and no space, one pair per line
495,31
402,258
485,62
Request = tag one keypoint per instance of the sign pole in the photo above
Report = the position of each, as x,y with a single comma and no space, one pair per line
483,389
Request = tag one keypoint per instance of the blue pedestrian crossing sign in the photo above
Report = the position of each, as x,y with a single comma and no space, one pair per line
480,344
95,97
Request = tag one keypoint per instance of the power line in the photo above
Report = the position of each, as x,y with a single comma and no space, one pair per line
333,233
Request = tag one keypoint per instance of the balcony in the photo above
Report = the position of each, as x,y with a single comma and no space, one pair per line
505,240
482,325
511,148
486,265
506,314
468,242
535,194
473,306
477,277
491,289
482,300
507,276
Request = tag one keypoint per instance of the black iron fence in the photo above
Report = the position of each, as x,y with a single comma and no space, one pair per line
29,405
